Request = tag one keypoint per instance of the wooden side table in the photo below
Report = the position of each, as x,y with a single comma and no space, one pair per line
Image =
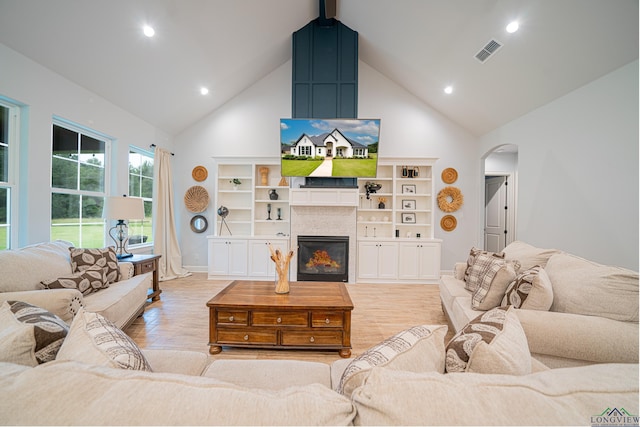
145,264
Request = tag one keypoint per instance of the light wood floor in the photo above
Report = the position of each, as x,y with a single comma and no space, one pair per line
180,319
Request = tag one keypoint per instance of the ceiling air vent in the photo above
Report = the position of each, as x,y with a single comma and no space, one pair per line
489,49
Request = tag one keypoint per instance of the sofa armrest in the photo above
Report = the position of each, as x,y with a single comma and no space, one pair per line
574,336
64,303
126,270
459,269
177,361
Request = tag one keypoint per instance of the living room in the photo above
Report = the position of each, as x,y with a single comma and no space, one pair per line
577,154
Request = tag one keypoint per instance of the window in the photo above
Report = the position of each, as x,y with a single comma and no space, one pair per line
9,116
141,185
78,177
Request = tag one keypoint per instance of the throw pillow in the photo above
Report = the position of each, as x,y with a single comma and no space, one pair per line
417,349
492,343
87,281
473,254
95,340
531,290
49,330
83,258
527,255
490,276
17,342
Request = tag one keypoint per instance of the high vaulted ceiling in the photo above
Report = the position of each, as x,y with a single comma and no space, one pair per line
227,45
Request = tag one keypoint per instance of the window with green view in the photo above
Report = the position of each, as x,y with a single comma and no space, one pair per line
141,185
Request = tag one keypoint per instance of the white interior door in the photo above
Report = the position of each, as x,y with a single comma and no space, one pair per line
495,215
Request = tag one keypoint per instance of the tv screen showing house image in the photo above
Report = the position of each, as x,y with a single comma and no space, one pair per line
329,147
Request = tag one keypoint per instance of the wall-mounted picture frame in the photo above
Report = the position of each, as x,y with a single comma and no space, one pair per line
408,205
408,189
408,218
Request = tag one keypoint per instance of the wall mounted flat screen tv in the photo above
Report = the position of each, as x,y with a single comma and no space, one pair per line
341,148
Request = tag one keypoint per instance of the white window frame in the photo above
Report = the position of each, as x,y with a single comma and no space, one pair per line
12,174
150,154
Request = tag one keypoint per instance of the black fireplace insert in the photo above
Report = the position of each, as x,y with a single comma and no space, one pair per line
323,258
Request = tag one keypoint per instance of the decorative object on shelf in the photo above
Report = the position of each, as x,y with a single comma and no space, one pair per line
279,214
269,211
196,199
273,195
199,173
413,172
408,218
122,209
223,212
449,175
448,222
381,202
405,172
264,175
199,224
408,189
408,205
450,199
283,182
371,187
282,269
236,182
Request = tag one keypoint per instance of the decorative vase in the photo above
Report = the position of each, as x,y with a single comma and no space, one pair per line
282,269
380,205
282,284
273,195
264,175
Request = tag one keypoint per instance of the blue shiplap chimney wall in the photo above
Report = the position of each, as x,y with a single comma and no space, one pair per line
325,70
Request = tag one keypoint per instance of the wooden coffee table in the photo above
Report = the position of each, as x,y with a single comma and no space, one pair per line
313,315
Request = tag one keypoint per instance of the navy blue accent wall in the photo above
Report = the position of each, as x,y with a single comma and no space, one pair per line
325,71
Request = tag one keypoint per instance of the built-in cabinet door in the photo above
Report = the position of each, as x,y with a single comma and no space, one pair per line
418,261
227,257
260,263
237,257
377,260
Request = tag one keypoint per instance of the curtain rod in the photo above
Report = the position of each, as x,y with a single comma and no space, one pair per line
154,146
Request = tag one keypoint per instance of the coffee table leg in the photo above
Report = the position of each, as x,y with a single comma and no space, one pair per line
215,349
345,353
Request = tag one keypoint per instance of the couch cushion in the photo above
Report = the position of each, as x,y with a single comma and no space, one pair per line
48,331
586,287
84,258
122,301
490,276
417,349
531,290
528,255
23,269
69,393
17,342
86,281
95,340
470,283
492,343
552,397
176,361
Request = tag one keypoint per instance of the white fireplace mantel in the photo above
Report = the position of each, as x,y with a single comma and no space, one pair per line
323,197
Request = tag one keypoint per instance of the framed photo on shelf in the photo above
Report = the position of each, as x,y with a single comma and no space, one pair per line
408,189
408,218
408,205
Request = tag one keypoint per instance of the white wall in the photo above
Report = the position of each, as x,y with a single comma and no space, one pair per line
578,170
46,94
249,126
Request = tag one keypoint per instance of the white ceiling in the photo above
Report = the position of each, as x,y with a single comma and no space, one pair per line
227,45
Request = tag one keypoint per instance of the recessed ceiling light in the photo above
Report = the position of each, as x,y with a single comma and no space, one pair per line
204,90
148,31
448,90
513,27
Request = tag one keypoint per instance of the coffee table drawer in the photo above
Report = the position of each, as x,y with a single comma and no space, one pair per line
226,336
327,319
311,338
232,317
274,318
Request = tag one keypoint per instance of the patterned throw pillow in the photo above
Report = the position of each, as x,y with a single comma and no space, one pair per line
530,290
95,340
82,259
492,343
49,330
473,253
417,349
87,281
490,276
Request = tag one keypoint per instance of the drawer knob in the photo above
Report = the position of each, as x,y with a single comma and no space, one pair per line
246,337
327,321
279,320
230,318
312,339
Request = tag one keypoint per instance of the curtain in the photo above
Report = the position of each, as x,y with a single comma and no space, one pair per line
165,241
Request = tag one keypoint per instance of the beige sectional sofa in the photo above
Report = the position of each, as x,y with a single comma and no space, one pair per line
23,270
579,312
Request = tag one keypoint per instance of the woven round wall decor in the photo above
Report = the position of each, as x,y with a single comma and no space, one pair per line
450,199
199,173
196,199
448,222
449,175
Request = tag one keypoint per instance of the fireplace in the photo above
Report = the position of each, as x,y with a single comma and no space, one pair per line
323,258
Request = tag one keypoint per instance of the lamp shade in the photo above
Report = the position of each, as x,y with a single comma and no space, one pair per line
123,208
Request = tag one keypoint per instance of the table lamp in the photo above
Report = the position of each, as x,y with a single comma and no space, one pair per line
122,209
